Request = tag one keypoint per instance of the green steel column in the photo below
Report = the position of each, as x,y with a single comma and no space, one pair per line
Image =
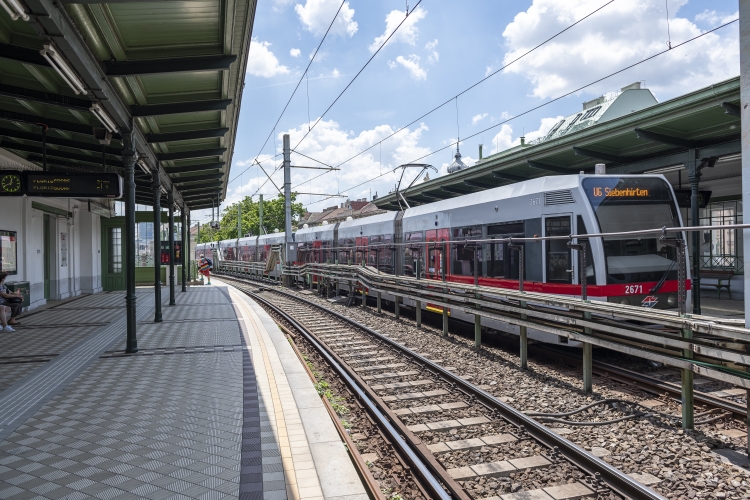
183,222
188,252
170,200
156,188
129,158
694,175
364,296
477,332
260,215
688,407
418,313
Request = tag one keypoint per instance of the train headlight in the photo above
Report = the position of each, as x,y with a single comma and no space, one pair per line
625,302
672,300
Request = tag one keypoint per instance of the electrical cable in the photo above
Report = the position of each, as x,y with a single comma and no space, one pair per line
487,77
555,99
359,72
300,81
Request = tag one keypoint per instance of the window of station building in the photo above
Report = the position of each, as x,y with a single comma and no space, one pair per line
114,240
462,254
413,253
8,252
503,262
722,250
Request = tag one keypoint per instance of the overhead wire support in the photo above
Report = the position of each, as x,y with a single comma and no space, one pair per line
299,82
567,94
487,77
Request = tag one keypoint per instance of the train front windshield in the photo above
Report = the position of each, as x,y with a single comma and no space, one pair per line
633,204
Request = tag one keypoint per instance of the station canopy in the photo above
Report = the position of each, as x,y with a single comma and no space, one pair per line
74,70
628,131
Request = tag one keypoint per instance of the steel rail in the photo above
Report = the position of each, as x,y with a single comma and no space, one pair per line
650,384
407,449
616,479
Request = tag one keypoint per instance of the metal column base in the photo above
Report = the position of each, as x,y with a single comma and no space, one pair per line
379,308
395,307
524,348
587,367
445,321
418,312
477,332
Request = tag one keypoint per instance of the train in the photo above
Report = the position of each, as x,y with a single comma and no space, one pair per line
435,241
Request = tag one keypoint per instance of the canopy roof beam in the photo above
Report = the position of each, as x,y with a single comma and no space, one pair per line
31,95
509,177
601,156
194,168
176,65
665,139
76,128
185,155
549,168
480,184
196,178
187,136
180,107
86,146
60,154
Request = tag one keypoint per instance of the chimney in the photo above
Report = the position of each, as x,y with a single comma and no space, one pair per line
600,169
480,151
523,141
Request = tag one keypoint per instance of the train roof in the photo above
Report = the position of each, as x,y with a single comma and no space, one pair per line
248,241
315,233
271,239
372,225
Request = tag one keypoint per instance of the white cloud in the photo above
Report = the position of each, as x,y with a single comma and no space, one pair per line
478,118
295,52
262,62
411,63
316,16
503,139
279,5
619,35
712,18
434,56
392,64
407,33
488,70
335,73
331,144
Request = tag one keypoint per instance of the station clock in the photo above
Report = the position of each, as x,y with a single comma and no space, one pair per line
10,183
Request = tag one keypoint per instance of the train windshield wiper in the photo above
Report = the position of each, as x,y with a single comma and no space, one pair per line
663,278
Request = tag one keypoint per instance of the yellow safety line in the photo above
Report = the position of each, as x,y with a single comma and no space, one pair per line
282,435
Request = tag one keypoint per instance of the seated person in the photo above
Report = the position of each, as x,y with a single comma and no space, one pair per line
10,301
4,313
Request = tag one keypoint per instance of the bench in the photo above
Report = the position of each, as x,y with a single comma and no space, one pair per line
723,278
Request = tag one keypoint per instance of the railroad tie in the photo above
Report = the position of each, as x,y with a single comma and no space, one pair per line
570,491
500,468
401,385
447,425
381,367
471,444
415,395
372,360
421,410
383,376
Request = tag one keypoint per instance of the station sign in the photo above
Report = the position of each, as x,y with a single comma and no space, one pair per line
60,185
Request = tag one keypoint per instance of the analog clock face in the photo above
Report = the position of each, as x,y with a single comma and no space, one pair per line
10,183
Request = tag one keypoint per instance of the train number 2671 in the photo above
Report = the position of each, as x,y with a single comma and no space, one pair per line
631,289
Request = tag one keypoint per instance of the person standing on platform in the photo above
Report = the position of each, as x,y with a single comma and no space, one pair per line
204,266
12,301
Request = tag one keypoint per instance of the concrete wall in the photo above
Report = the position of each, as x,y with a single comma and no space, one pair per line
73,271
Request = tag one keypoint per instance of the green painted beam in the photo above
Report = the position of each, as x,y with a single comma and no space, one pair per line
56,153
480,184
549,168
30,95
194,168
180,107
58,141
204,187
601,156
66,126
509,177
184,155
22,55
666,139
187,136
196,178
176,65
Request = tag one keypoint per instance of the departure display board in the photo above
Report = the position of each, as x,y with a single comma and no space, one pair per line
58,185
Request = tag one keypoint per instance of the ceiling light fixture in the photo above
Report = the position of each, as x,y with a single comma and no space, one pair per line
144,167
14,9
62,67
103,117
664,170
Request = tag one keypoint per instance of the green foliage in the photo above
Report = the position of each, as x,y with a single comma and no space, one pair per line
273,218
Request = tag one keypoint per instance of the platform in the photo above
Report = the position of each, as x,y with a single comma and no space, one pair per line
214,405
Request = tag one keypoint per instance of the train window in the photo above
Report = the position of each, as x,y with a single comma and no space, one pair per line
346,253
590,268
413,253
557,251
462,255
502,262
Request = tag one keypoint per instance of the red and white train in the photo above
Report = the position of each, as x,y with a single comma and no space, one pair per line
436,240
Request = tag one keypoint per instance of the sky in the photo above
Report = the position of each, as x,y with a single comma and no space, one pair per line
441,49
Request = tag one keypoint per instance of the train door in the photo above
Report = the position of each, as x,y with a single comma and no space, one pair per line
558,264
436,260
361,250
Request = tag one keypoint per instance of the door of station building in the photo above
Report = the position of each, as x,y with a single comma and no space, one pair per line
113,254
47,257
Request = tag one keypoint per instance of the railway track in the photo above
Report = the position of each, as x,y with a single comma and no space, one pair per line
453,434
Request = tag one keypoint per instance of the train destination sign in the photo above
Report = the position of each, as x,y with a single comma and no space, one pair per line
59,185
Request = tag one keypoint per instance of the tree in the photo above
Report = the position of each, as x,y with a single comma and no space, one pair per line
273,218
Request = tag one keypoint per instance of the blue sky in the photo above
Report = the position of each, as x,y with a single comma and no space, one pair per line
443,48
